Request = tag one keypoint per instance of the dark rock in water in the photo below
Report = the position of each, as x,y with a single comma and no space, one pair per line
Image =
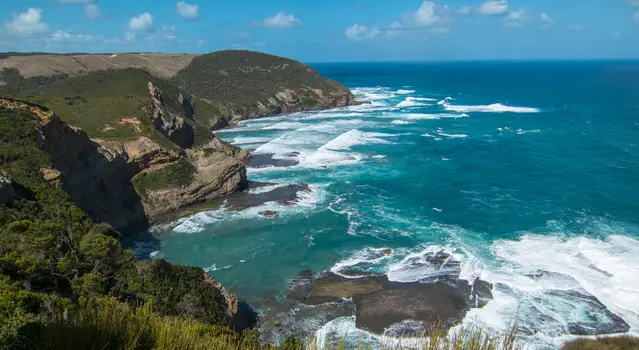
407,329
270,214
600,319
333,288
354,272
244,200
7,192
482,292
266,160
300,320
437,304
379,305
569,310
442,267
300,286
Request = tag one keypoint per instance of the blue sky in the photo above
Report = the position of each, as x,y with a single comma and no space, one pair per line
330,30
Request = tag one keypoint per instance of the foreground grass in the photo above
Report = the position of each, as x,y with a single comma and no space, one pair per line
110,324
612,343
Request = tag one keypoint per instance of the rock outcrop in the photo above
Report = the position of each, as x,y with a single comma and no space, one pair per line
441,299
99,173
139,144
7,192
171,126
216,175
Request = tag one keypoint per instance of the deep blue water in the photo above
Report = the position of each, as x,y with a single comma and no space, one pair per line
512,167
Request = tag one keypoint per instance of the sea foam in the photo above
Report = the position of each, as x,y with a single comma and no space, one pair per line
493,108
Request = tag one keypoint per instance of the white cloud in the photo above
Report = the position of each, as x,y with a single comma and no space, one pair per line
129,36
516,15
27,24
188,11
64,36
546,20
426,15
633,3
282,20
494,8
75,1
576,27
636,17
142,22
616,34
515,18
394,29
92,11
358,32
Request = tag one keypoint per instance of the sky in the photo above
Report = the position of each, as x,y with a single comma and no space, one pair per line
330,30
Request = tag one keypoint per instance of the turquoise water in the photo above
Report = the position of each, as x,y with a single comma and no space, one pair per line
514,168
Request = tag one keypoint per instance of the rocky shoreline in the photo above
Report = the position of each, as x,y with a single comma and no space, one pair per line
379,305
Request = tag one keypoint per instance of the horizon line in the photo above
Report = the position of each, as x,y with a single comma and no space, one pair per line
6,54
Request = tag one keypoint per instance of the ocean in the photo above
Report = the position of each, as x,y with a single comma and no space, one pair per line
526,172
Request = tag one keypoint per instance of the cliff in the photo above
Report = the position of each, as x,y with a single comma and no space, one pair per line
114,145
65,280
131,183
243,84
221,88
134,144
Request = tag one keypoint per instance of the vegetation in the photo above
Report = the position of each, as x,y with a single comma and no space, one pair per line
179,173
57,266
111,105
610,343
241,78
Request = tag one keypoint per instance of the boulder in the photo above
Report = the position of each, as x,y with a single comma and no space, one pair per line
173,127
434,305
441,299
270,214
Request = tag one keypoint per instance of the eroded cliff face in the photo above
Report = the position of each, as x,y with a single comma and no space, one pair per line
171,126
99,174
217,174
290,101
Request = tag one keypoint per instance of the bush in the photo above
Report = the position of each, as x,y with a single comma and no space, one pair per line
610,343
179,173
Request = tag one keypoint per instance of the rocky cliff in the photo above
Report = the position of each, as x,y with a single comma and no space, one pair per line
130,184
243,84
219,89
133,144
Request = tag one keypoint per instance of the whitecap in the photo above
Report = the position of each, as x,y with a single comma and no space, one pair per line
493,108
373,94
541,281
428,116
401,122
250,140
306,200
284,126
363,258
453,136
215,268
412,102
264,189
404,92
445,101
522,131
356,137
